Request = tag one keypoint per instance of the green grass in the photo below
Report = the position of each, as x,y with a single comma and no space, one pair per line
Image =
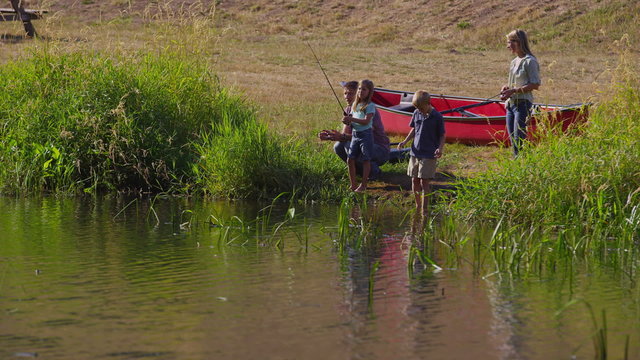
586,185
77,122
90,122
247,161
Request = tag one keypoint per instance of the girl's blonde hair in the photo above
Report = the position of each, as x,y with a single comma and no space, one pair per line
521,37
420,99
360,103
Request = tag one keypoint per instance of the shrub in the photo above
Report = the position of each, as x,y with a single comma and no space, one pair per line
92,122
150,123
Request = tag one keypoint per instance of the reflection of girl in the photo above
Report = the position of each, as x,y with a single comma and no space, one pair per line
524,77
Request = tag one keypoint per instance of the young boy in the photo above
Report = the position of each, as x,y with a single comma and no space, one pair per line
428,130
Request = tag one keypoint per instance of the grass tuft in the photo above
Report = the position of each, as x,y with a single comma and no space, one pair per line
93,122
75,122
590,181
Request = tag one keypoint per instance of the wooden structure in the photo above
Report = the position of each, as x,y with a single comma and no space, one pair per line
17,12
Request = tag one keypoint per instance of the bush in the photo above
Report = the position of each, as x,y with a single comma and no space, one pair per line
247,161
152,123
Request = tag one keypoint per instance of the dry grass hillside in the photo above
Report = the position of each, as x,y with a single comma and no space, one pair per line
445,46
477,23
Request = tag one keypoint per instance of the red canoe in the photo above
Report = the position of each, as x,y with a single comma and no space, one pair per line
468,120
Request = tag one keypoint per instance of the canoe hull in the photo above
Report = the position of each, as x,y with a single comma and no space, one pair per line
477,125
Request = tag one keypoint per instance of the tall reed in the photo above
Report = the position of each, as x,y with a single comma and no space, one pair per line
93,122
249,161
590,181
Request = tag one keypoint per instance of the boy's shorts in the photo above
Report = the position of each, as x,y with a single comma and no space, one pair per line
422,168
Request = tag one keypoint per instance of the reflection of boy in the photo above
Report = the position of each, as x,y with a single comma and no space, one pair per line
380,152
427,130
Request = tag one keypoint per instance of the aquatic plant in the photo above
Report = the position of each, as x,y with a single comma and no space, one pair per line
417,254
599,336
261,231
358,224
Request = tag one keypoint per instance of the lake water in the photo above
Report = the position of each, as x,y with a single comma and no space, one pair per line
120,279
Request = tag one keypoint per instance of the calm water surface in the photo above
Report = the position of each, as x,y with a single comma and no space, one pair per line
110,279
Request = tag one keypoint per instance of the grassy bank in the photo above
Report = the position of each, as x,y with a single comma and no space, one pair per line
89,122
250,160
588,182
74,122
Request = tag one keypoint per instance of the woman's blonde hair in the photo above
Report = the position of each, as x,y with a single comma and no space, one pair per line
360,103
521,37
420,99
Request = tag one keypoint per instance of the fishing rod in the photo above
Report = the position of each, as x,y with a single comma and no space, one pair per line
485,102
326,77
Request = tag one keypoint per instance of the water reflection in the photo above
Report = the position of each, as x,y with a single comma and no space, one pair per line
122,279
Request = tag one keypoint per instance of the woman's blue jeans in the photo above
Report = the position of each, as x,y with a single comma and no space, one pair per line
517,114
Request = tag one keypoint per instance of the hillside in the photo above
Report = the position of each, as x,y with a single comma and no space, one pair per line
447,46
476,23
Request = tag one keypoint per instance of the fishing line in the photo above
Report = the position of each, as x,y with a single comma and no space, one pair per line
326,77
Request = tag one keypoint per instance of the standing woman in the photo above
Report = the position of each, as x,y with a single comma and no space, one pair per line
524,77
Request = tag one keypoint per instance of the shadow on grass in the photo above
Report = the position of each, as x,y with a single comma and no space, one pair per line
17,39
13,39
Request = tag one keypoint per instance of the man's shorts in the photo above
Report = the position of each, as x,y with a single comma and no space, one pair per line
422,168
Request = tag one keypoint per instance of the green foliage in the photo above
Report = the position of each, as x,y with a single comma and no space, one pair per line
590,181
158,123
464,24
248,161
102,122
